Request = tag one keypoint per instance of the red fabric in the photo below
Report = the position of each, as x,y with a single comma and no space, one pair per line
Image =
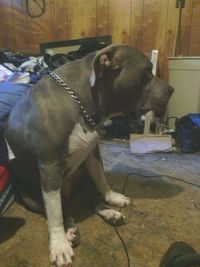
4,175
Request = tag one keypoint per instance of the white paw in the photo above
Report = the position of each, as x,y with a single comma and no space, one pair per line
117,199
111,216
61,253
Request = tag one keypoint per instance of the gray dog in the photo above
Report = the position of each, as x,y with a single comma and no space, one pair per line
54,126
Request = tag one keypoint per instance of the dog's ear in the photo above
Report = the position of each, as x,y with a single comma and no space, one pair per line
106,59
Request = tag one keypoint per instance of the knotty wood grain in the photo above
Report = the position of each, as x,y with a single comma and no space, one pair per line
120,20
59,20
81,18
7,39
102,17
146,24
194,45
136,37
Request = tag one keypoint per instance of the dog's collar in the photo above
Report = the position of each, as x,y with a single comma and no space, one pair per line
89,118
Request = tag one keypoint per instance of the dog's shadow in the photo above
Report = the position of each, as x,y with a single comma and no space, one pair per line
142,187
83,198
80,203
9,226
157,187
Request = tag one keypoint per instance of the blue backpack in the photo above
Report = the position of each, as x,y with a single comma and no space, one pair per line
187,133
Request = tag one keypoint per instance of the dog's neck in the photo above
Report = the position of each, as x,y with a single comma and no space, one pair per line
94,99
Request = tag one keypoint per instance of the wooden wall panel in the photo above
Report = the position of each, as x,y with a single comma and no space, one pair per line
81,18
146,24
102,17
59,20
136,23
185,28
19,25
194,47
40,29
26,42
154,28
119,20
7,37
171,28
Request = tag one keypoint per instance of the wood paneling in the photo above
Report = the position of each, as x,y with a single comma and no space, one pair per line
59,20
120,20
194,45
81,18
40,29
154,25
146,24
102,17
19,25
136,23
185,28
7,37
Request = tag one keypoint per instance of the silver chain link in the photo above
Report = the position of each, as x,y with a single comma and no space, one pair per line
84,112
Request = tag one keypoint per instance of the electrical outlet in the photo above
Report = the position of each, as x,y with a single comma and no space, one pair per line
180,2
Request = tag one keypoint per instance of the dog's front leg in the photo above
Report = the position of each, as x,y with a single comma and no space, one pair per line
61,252
95,169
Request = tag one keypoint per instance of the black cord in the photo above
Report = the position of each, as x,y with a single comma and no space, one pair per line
124,246
117,232
167,176
125,183
41,5
151,176
180,180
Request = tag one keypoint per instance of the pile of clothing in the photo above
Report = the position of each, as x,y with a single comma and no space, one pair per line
17,68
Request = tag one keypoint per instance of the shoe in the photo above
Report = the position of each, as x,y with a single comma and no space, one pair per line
6,192
180,254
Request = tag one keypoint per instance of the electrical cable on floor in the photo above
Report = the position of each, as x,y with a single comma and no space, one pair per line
180,180
125,183
151,176
124,246
167,176
118,234
157,175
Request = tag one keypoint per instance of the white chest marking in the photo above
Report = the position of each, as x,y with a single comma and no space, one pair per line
81,143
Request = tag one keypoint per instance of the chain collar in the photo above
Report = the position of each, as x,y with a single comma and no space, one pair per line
88,118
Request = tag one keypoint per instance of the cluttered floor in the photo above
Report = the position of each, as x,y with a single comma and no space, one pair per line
164,188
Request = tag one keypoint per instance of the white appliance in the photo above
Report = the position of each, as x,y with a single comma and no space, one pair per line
184,76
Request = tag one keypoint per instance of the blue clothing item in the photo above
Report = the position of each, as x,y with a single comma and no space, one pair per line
195,117
10,94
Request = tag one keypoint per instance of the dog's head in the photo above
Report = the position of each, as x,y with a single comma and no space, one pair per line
123,80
